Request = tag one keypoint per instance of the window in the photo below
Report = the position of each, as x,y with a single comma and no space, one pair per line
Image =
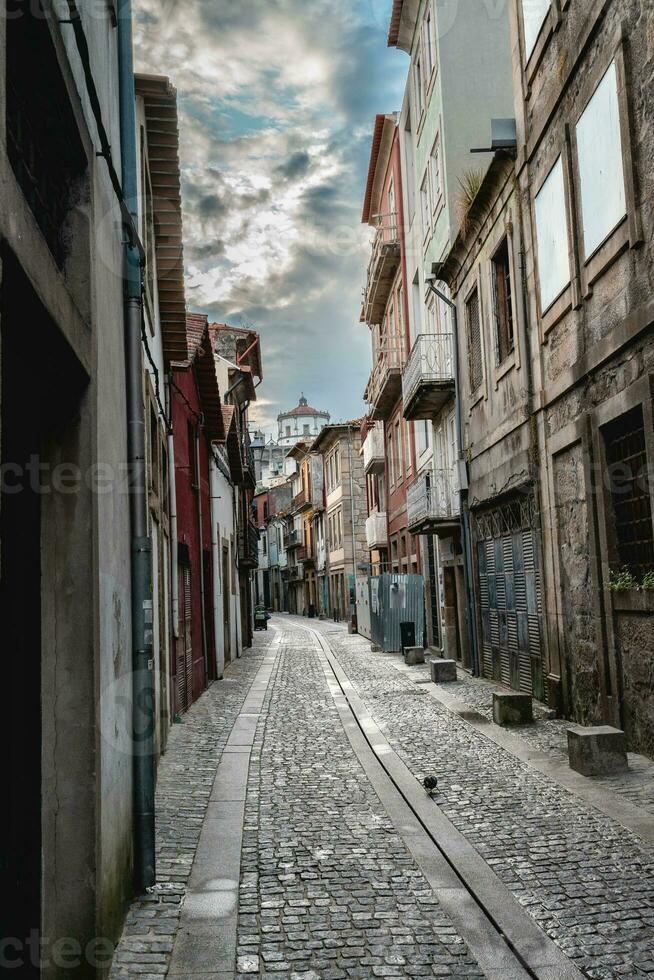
391,209
400,316
423,436
428,44
435,174
288,430
418,80
432,315
626,457
306,430
533,15
503,299
425,206
552,237
599,154
473,324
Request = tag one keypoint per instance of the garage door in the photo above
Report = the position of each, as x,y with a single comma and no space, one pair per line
510,597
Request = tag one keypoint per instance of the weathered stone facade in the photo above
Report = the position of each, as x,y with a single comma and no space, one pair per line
591,346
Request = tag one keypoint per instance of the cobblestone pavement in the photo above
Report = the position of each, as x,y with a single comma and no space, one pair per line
549,735
328,888
185,777
588,882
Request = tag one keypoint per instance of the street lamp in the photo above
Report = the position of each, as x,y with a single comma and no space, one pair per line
463,483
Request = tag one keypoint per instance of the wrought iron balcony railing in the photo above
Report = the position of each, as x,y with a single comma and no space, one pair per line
377,530
373,450
248,545
432,501
428,376
385,382
382,267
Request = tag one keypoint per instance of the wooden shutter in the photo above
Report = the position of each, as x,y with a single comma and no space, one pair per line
473,320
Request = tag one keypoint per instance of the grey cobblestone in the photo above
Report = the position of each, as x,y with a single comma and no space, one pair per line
549,735
584,879
327,884
185,777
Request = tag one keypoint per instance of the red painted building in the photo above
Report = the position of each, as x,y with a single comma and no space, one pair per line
197,420
389,447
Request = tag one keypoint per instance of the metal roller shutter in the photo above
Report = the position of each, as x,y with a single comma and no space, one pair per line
510,596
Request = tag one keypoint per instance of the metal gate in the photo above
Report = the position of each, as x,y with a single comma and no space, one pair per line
363,607
184,651
395,599
510,596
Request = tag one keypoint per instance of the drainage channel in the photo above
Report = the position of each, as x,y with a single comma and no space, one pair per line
506,942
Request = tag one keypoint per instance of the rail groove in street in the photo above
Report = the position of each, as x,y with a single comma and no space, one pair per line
506,942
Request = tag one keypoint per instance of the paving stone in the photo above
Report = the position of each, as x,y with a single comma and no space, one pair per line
582,877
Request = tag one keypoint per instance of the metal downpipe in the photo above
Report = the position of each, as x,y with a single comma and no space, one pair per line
143,708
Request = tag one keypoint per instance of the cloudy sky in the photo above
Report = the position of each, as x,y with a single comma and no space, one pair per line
277,101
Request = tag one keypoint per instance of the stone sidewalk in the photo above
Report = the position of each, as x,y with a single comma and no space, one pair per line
587,881
328,887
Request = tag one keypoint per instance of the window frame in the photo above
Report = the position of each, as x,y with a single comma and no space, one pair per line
505,242
627,233
478,391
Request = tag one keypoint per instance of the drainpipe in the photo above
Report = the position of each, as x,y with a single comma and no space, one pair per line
463,491
172,511
205,652
218,627
141,546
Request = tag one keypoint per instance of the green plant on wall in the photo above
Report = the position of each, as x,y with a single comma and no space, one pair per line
622,578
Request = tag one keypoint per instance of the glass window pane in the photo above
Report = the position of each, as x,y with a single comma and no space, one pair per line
599,148
552,236
533,15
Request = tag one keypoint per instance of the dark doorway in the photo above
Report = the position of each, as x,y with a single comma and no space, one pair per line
41,387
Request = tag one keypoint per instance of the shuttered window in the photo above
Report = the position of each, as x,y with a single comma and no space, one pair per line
473,324
503,308
626,457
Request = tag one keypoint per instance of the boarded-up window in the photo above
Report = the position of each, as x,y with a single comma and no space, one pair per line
533,15
601,173
628,481
503,301
552,237
473,325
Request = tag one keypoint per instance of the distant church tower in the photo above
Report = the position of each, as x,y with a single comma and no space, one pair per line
302,423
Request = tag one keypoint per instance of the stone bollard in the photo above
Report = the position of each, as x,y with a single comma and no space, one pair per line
442,671
511,708
597,751
413,656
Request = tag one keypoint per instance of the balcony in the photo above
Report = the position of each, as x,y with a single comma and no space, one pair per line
433,504
294,540
302,501
248,546
382,268
374,459
428,377
377,530
385,382
247,456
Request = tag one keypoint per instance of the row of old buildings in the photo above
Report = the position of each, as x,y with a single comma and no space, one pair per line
310,510
509,432
127,540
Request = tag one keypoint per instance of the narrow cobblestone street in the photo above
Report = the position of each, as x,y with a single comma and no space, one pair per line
341,875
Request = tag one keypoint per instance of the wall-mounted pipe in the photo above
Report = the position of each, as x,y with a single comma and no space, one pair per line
143,697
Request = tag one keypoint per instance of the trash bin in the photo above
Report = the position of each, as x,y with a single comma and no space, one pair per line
407,635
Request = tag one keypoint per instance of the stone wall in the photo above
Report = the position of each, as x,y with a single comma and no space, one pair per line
634,632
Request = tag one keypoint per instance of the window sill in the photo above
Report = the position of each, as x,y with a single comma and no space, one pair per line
476,396
633,600
535,58
605,255
556,310
507,365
